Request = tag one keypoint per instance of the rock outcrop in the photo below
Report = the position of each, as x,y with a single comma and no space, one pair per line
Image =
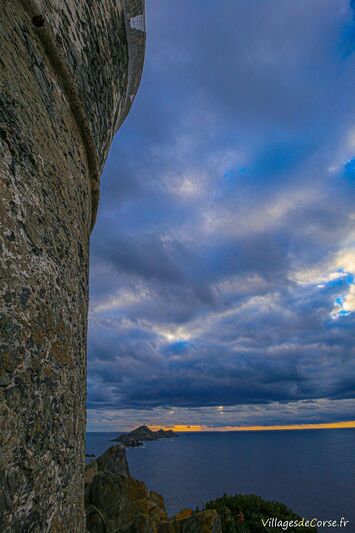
116,502
113,461
69,72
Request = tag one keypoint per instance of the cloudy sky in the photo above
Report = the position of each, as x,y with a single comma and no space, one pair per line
223,256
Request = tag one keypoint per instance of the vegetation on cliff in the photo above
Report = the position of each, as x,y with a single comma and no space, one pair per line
249,513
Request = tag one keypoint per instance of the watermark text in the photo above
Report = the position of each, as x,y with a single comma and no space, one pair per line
303,522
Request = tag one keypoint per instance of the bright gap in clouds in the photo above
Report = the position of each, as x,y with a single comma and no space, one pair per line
337,273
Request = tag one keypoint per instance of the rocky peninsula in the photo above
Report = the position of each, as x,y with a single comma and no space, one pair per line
143,433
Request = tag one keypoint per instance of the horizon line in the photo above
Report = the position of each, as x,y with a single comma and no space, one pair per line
195,428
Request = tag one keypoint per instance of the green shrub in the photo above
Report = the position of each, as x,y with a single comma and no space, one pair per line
244,514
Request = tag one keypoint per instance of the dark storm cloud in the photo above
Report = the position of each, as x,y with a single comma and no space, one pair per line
223,252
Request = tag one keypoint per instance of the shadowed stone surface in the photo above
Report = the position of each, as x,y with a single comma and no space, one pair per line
65,85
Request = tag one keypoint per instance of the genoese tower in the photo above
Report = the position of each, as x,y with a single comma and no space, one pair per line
69,71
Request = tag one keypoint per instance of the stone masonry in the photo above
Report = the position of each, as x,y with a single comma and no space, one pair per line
69,71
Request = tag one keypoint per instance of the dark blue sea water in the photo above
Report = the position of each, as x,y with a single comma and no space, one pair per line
311,471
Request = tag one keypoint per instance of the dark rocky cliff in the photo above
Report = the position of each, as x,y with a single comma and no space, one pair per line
117,502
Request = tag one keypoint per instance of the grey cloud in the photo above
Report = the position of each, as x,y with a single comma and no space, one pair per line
226,179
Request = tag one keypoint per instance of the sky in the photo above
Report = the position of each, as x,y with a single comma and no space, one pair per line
223,256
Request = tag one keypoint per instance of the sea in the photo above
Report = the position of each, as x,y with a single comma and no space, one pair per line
311,471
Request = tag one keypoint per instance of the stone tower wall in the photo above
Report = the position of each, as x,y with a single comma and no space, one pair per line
69,70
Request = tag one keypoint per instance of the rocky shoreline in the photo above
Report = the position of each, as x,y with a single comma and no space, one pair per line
114,501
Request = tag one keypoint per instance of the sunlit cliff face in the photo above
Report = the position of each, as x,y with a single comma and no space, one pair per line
223,257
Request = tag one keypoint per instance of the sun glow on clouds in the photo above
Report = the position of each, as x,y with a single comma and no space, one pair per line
179,428
173,334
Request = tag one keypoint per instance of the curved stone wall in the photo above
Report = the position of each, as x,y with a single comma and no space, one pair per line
97,48
69,72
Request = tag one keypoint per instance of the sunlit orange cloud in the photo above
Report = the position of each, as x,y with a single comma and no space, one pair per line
193,428
181,427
